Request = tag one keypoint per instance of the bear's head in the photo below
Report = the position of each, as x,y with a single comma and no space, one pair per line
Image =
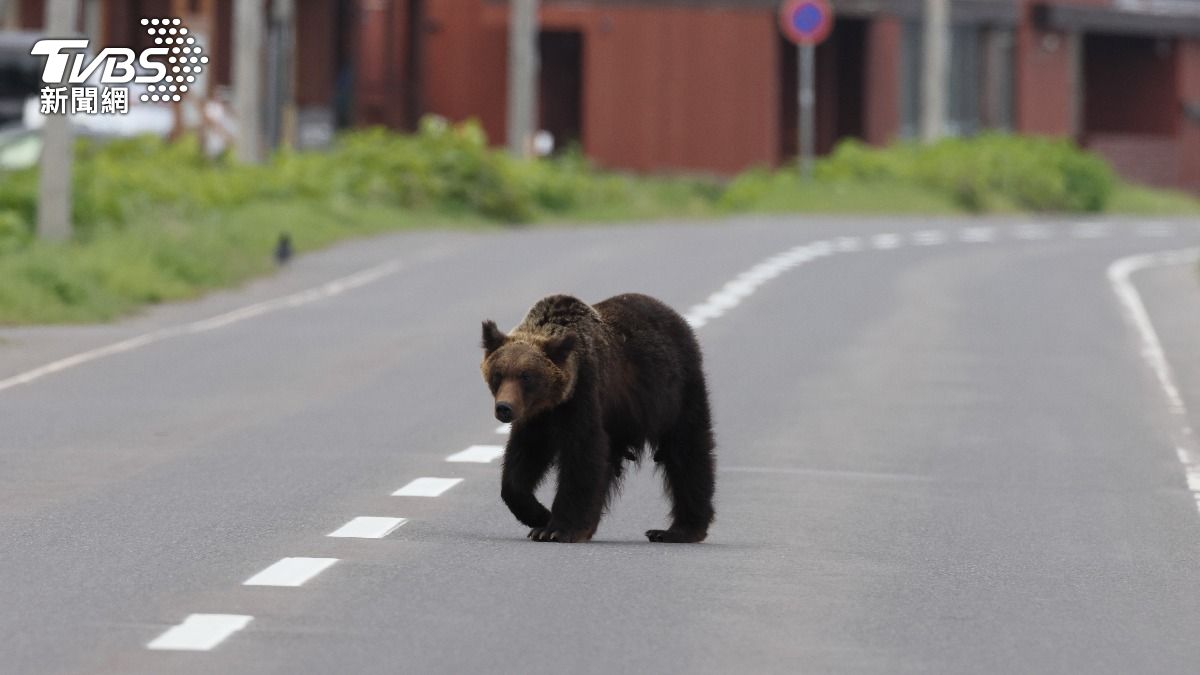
527,374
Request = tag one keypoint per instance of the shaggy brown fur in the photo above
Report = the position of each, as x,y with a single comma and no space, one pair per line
586,389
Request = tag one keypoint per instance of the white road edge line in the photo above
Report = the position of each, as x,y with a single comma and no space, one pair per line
290,572
480,454
426,487
326,290
200,632
1119,275
368,527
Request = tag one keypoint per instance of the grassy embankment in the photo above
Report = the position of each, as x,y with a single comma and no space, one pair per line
159,222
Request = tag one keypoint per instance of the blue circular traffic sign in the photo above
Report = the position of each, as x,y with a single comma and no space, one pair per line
806,22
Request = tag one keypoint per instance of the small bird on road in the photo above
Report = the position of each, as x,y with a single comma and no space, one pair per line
283,249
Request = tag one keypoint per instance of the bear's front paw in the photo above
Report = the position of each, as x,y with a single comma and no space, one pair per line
675,536
554,533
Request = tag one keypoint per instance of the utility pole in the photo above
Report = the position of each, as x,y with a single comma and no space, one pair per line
248,25
522,75
54,177
281,117
6,19
933,75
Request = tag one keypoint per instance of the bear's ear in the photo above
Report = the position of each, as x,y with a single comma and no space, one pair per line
558,348
493,337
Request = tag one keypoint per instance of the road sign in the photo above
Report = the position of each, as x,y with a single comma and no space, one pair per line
806,22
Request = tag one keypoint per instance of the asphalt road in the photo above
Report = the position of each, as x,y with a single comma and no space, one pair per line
939,452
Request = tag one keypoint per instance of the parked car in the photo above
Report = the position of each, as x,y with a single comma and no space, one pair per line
20,74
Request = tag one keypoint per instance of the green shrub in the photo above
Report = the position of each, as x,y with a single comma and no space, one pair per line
988,172
15,231
159,221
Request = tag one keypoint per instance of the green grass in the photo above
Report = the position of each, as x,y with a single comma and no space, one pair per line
157,223
786,192
121,269
1138,200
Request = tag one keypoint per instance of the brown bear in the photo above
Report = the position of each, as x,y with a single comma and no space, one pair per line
587,388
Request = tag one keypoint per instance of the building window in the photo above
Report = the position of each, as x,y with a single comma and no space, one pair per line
979,79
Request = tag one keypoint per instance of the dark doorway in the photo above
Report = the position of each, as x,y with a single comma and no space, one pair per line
387,82
841,76
1118,69
560,92
414,48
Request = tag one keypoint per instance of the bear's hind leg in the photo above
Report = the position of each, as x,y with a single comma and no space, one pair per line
689,475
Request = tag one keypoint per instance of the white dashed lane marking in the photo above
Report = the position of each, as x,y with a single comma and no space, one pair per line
290,572
929,237
1154,230
1091,231
368,527
847,244
744,284
426,487
200,632
884,242
481,454
1031,232
977,235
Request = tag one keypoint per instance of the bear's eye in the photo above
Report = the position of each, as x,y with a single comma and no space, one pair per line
526,378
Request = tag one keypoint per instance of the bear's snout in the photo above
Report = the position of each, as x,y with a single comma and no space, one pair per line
504,412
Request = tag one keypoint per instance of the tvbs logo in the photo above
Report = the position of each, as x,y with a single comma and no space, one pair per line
167,69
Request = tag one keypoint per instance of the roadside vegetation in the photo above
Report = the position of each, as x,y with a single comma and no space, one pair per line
157,222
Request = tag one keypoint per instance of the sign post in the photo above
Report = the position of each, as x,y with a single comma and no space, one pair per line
806,23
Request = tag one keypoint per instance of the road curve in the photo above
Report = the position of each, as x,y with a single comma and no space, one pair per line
941,447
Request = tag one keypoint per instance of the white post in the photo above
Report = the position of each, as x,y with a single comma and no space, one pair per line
933,75
54,177
522,75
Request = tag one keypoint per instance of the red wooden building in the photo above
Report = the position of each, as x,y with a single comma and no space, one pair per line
708,85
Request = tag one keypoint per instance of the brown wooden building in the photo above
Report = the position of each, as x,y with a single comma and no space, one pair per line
709,85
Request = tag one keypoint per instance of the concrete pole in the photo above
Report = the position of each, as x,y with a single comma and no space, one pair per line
248,24
284,17
933,74
8,14
522,75
54,178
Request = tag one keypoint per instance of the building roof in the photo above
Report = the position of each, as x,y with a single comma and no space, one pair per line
968,11
1154,18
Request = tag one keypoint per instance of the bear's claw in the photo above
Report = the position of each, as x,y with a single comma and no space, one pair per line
674,536
555,534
